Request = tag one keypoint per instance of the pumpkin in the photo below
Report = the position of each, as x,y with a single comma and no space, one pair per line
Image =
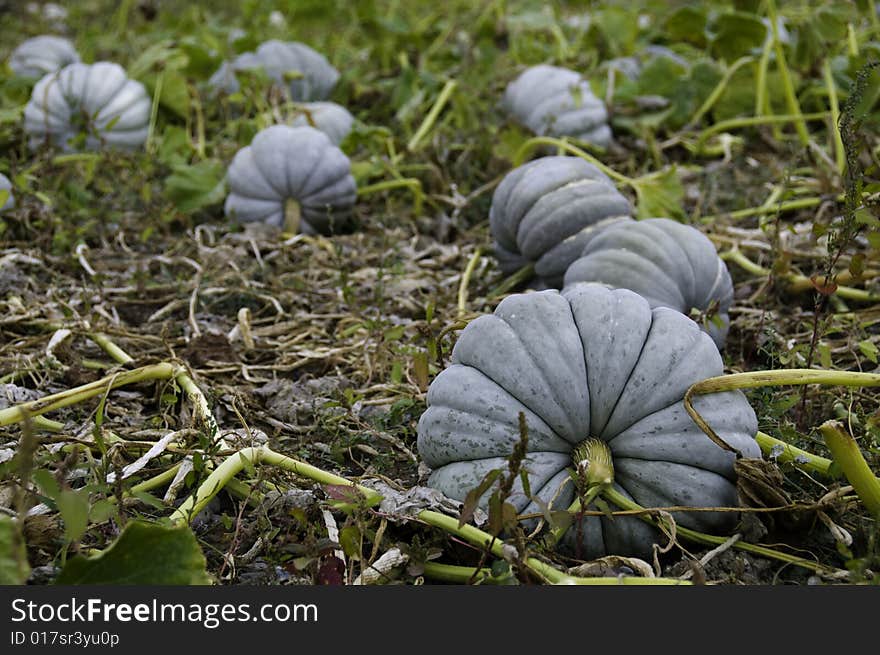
302,72
42,54
6,185
545,211
554,101
668,263
333,120
588,363
97,100
294,176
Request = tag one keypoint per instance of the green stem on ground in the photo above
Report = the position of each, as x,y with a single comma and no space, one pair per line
21,412
432,115
849,458
614,496
465,280
793,455
116,353
413,184
839,151
719,89
248,457
751,121
761,79
796,282
534,143
513,280
791,100
767,208
756,379
458,574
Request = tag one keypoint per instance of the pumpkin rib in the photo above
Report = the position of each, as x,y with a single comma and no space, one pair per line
261,164
686,361
540,229
649,491
304,189
578,425
569,428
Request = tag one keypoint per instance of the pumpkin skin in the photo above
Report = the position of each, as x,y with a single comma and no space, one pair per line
6,185
277,59
554,101
588,362
547,210
666,262
291,163
98,99
333,120
41,55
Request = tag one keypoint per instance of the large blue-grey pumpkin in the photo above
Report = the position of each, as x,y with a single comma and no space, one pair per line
588,363
95,101
6,185
291,175
554,101
545,211
302,72
666,262
332,119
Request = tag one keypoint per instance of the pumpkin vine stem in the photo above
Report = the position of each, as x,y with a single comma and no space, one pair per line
593,471
292,216
755,379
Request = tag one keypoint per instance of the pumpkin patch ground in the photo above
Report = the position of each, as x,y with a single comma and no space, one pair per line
264,305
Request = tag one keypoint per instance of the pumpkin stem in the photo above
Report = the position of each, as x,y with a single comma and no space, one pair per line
593,463
292,216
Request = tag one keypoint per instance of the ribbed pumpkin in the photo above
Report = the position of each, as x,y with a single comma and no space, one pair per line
291,174
40,55
97,102
668,263
332,119
554,101
6,185
302,72
588,363
545,211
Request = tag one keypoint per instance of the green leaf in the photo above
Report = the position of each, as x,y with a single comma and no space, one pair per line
736,34
869,349
14,567
47,483
193,187
144,553
829,25
660,195
102,510
350,541
473,497
688,24
74,508
175,93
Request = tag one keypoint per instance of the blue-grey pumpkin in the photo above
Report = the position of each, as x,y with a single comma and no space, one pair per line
546,211
668,263
332,119
301,71
588,362
92,106
555,101
291,174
